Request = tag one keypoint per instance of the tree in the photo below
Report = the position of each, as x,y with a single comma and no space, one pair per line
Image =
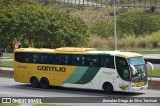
34,25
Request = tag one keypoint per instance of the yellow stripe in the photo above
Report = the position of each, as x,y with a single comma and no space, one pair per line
128,54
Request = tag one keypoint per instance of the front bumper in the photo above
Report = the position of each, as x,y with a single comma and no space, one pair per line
140,88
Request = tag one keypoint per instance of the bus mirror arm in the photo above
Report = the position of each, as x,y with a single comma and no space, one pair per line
134,69
151,65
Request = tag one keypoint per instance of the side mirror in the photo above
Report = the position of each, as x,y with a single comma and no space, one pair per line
134,69
151,65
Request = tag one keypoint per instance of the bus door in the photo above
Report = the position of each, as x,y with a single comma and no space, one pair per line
122,79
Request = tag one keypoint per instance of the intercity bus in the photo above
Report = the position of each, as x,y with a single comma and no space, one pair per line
84,68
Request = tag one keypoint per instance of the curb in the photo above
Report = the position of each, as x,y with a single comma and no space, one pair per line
152,84
6,73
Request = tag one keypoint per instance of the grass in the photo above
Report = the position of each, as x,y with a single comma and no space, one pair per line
16,104
155,73
158,52
6,63
10,55
9,104
148,42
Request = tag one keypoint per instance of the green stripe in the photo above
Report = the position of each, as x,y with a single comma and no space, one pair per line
89,75
77,74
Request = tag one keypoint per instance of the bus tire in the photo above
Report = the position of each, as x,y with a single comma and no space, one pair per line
34,82
108,88
44,83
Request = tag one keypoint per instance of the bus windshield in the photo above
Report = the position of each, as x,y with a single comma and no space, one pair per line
141,70
136,60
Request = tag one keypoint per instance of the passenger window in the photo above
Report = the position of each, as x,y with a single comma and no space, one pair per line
37,58
107,61
93,61
27,58
63,59
49,59
20,57
77,60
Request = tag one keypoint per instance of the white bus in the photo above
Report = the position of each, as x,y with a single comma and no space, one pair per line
84,68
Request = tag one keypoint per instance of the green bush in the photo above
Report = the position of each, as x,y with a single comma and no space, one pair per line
154,39
137,22
101,28
101,43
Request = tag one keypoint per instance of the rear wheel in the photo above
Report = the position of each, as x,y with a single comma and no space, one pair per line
34,82
108,88
44,83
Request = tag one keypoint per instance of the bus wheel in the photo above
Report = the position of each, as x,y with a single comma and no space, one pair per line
44,83
34,82
108,88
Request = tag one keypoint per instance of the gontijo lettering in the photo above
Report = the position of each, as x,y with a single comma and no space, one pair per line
50,68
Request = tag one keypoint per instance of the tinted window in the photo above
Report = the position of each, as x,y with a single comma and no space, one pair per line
18,57
23,57
107,61
87,60
92,61
49,59
123,68
37,58
77,60
63,59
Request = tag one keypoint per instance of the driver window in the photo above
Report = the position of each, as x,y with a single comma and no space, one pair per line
122,68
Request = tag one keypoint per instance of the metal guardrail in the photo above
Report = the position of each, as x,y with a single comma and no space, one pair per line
1,54
6,50
154,61
107,3
140,50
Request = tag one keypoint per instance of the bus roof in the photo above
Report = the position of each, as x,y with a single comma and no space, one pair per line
63,50
75,50
129,54
34,50
116,53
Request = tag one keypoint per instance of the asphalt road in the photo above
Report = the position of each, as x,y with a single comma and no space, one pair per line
10,88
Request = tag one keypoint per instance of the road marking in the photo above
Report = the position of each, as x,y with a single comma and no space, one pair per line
134,105
6,93
124,104
10,93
